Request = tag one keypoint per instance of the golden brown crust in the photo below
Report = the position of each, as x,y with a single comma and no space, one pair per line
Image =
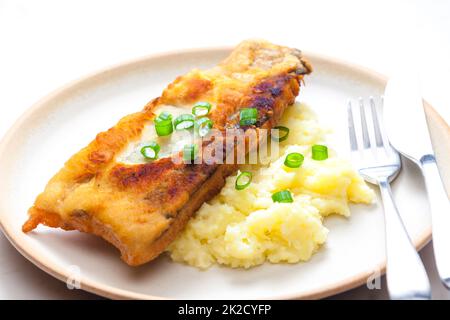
141,208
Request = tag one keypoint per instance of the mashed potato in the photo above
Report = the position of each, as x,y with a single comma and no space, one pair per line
246,228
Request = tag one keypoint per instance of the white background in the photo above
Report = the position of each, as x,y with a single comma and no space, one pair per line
45,44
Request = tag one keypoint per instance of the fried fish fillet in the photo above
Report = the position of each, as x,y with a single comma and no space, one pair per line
141,207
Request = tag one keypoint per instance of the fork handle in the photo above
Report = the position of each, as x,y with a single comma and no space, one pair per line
440,216
405,274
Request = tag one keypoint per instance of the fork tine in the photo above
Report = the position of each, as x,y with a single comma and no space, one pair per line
384,137
351,128
365,131
376,123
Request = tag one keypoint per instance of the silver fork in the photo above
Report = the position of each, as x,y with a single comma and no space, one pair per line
378,163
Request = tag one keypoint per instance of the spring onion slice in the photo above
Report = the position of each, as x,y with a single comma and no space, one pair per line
163,124
184,121
203,126
190,152
282,196
294,160
282,134
165,116
243,180
150,151
201,109
248,116
319,152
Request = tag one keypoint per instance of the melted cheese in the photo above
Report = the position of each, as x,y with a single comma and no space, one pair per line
170,145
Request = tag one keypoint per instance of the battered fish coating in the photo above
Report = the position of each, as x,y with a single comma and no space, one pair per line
140,208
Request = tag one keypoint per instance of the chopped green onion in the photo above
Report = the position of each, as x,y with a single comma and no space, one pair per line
282,196
319,152
294,160
150,151
190,152
201,109
203,125
243,180
163,124
165,116
184,121
281,136
164,130
248,116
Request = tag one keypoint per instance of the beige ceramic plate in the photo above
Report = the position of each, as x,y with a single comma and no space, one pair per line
62,123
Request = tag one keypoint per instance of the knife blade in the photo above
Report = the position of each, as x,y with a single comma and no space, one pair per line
404,117
407,129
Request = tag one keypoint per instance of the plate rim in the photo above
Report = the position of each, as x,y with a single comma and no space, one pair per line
105,290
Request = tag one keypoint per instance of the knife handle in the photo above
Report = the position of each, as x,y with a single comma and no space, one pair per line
440,216
405,274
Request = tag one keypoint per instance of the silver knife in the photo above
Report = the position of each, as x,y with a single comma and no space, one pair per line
406,125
